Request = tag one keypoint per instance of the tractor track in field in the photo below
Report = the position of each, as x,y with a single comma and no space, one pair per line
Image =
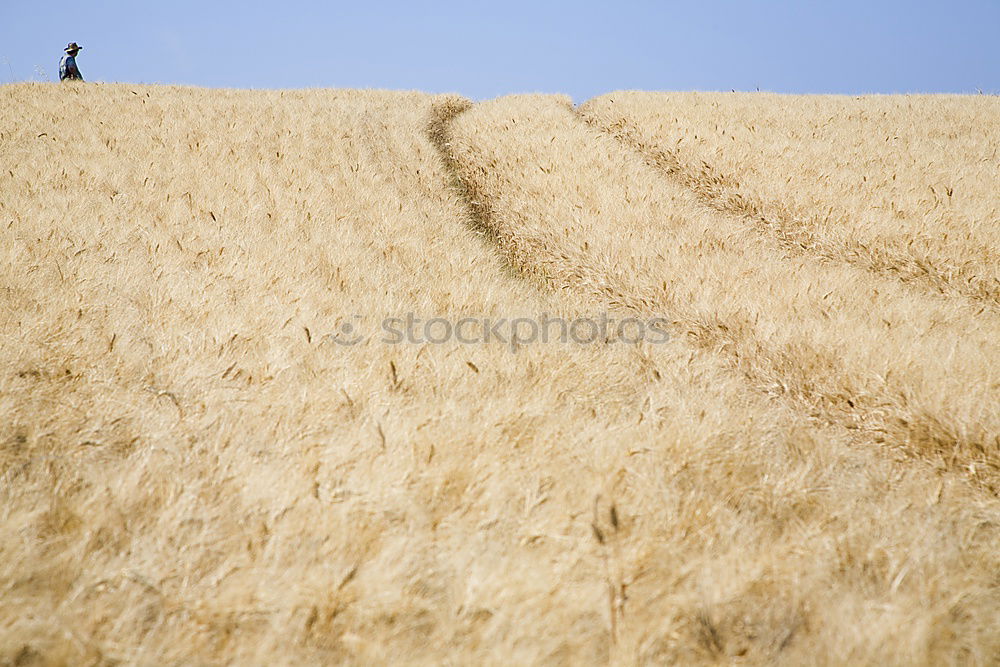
719,340
720,192
479,213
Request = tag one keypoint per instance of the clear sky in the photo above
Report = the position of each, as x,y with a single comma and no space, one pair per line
486,49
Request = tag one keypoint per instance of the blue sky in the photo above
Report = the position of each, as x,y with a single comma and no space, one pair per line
486,49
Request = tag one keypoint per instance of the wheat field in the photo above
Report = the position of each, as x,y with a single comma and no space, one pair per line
209,456
899,185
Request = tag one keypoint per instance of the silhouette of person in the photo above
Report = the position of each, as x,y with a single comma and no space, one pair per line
68,71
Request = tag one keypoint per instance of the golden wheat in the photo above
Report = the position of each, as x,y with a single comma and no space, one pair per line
194,470
912,369
901,185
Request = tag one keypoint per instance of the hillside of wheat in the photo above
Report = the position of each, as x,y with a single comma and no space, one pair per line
209,454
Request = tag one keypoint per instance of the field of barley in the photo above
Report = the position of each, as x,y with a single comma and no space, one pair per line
197,468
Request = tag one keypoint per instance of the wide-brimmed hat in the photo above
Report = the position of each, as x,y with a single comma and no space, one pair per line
73,46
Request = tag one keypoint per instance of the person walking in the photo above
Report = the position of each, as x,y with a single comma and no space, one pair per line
68,71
